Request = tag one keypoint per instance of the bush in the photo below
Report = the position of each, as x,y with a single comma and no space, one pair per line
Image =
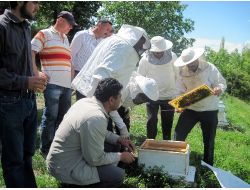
233,67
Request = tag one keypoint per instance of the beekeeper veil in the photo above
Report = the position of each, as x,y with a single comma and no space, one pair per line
133,35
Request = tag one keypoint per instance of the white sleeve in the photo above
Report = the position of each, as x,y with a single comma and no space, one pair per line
76,44
116,118
37,43
142,67
217,79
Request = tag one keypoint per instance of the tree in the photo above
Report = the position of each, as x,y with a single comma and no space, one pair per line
157,17
3,5
82,11
222,43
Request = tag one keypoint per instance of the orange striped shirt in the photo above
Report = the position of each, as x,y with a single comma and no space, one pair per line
55,56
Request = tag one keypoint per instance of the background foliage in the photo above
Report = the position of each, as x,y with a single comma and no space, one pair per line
83,11
235,67
162,18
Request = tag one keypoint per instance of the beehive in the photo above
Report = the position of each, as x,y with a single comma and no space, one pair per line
191,97
173,156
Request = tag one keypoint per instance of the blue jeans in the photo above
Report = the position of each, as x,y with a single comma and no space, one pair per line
57,102
18,121
167,117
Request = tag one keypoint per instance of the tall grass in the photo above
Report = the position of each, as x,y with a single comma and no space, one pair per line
231,147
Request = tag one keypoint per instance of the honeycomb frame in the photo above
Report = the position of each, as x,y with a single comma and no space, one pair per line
197,94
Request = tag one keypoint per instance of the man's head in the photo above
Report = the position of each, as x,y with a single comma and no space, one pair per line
190,58
159,46
108,92
25,9
135,36
103,29
65,22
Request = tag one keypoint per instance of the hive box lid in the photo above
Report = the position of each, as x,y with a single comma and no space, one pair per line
165,145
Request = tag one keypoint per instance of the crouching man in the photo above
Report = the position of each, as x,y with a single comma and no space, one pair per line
77,153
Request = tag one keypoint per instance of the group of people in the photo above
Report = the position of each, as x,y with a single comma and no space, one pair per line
110,73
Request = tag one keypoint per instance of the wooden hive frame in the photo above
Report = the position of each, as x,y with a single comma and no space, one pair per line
191,97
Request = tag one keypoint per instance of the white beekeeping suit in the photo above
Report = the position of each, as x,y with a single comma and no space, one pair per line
114,57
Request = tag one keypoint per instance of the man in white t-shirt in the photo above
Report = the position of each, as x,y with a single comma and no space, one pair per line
84,43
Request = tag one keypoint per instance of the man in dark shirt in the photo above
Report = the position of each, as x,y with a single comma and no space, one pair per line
18,112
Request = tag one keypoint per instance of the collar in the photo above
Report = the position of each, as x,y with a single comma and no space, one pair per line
99,103
14,19
56,31
91,32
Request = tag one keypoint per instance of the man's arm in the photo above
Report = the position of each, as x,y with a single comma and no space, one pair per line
35,70
116,118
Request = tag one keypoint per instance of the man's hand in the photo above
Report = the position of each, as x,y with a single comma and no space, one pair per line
127,143
37,84
178,110
44,75
127,157
217,91
124,132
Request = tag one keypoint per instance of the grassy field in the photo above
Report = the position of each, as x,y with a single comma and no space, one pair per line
231,150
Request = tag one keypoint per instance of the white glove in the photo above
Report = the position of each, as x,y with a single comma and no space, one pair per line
124,132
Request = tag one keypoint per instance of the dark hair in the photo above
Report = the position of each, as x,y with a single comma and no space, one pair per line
104,22
13,4
107,88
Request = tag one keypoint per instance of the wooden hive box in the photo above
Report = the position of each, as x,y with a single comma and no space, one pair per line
173,156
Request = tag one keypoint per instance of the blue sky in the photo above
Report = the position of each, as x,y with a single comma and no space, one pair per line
217,19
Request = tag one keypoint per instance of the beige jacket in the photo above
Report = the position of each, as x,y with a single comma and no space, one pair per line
78,146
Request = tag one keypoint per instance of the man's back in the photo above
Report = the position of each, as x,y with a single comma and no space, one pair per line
111,58
80,140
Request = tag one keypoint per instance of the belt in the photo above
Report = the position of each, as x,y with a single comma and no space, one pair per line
21,93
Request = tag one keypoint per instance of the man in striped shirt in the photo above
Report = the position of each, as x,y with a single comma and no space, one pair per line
53,47
84,43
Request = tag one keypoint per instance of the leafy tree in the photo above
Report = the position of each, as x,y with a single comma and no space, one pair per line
3,5
235,69
82,11
246,58
157,17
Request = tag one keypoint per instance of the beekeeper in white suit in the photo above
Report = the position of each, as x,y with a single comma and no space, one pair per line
139,90
114,57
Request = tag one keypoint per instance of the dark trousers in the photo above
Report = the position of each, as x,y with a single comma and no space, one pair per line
208,122
167,117
18,121
111,176
78,94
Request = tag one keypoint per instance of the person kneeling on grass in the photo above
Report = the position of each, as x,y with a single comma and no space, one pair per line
77,154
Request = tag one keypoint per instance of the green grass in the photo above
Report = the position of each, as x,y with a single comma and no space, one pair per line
231,150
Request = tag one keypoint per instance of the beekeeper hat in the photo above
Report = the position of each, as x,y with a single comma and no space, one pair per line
189,55
160,44
132,34
148,87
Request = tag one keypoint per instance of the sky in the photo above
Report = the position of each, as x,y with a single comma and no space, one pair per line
216,19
